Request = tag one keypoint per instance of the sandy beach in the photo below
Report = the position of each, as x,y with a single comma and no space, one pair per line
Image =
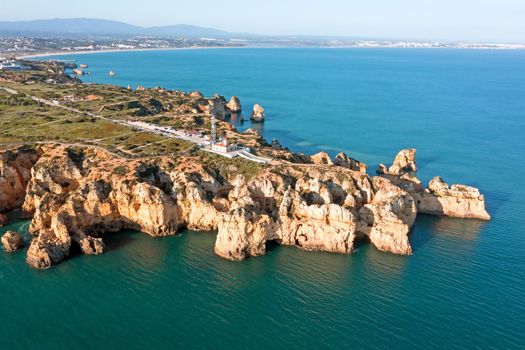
82,52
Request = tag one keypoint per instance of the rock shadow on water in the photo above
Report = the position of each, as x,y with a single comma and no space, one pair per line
496,200
427,226
421,233
118,240
423,162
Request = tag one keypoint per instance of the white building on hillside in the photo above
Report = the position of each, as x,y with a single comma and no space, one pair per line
223,147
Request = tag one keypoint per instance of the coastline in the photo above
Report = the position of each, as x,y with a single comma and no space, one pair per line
85,52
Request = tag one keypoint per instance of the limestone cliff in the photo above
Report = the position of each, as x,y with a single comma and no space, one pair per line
15,173
388,218
458,201
217,107
76,195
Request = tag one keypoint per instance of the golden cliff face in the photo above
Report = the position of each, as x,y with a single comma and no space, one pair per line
75,195
15,173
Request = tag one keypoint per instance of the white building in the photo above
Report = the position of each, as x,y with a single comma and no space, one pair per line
223,147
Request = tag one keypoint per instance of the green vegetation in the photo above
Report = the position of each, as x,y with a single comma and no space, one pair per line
226,166
23,119
92,114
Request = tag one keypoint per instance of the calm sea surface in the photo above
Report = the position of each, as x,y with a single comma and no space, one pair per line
463,288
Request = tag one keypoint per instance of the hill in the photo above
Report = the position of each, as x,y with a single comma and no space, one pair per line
82,27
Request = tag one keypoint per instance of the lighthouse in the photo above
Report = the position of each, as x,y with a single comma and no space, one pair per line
213,137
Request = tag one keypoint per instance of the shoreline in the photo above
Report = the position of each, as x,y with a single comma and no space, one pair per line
86,52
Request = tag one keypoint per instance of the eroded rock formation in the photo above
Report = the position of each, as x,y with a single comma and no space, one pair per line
217,107
12,241
353,164
457,201
258,113
388,218
75,196
15,173
234,105
404,162
321,158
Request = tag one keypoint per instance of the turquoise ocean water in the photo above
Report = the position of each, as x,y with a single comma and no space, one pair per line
463,288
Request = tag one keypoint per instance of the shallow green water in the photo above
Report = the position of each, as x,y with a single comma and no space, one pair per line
463,288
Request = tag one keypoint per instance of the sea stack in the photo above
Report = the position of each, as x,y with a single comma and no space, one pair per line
457,201
234,105
258,113
12,241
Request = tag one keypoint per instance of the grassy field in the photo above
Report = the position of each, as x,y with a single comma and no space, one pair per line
24,120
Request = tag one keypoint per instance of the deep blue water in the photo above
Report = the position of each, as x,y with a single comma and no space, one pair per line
464,287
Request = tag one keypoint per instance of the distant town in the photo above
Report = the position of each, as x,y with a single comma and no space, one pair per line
18,46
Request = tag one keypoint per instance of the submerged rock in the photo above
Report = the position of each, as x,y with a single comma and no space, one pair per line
404,162
234,105
258,113
12,241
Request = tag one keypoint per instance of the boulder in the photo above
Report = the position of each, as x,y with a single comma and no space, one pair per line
12,241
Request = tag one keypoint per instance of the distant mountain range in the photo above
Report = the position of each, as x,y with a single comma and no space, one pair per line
82,27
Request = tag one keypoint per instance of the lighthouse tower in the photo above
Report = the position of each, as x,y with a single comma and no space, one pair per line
213,138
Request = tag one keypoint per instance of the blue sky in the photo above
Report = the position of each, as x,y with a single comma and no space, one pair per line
473,20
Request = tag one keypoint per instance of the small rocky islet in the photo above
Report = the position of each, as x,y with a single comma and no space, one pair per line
76,193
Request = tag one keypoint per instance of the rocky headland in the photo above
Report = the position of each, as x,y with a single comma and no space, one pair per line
75,196
97,176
